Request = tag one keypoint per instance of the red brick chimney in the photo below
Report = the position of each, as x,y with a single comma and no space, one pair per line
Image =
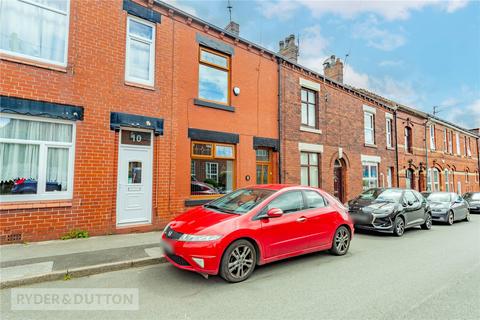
333,69
288,48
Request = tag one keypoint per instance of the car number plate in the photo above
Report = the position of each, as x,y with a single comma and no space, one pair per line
167,247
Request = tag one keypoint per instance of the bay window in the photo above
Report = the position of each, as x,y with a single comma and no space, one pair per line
212,168
309,171
35,29
140,55
214,76
370,175
36,157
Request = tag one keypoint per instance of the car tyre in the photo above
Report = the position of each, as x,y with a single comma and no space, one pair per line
238,261
341,241
428,222
398,227
450,218
467,217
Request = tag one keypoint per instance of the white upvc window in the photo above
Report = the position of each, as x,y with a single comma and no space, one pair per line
457,140
140,51
35,30
36,158
433,181
211,171
432,137
389,132
447,180
469,150
389,177
369,125
450,143
370,175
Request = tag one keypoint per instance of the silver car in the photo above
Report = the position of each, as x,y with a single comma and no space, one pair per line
448,207
473,199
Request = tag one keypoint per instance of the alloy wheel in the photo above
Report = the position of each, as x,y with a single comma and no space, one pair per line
400,227
450,218
428,223
342,238
240,261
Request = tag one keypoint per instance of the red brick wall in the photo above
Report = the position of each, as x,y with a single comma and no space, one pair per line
340,116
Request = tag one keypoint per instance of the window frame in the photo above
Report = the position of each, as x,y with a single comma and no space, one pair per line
315,108
388,129
42,194
308,166
432,137
228,69
370,178
408,135
67,35
151,75
445,140
208,168
263,211
457,142
371,116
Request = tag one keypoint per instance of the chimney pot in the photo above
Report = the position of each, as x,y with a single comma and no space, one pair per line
288,49
333,68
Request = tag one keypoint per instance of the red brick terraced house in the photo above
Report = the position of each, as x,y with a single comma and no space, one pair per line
160,111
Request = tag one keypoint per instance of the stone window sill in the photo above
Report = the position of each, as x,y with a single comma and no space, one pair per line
31,62
138,85
209,104
312,130
368,145
35,204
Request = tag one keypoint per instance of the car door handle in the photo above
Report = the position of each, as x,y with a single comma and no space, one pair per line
301,219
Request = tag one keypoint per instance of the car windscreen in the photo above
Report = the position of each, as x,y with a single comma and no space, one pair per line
240,201
439,197
370,194
389,195
472,196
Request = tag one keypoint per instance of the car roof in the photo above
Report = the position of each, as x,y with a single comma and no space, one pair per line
277,187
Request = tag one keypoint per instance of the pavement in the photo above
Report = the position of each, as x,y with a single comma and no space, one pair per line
426,274
51,260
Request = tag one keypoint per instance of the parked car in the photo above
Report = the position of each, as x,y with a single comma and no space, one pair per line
201,188
390,210
425,194
256,225
448,207
473,200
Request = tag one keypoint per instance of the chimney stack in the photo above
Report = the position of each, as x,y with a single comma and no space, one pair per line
288,48
233,27
333,69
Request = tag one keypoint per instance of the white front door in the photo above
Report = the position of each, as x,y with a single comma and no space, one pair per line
134,191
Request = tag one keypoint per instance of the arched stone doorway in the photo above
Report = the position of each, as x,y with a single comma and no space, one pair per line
339,173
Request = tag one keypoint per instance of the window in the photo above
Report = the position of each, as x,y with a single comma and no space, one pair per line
214,78
409,179
450,143
35,29
457,141
314,199
389,132
476,176
36,158
408,140
467,178
212,168
469,150
389,177
433,181
410,197
309,169
140,55
369,124
445,140
309,107
370,175
263,157
289,202
432,137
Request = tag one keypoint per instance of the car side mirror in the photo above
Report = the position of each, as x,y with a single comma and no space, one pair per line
274,213
459,201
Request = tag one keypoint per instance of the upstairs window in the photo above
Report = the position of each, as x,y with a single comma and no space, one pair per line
408,140
469,150
457,140
35,29
140,55
389,132
214,76
369,127
445,140
450,143
309,98
432,137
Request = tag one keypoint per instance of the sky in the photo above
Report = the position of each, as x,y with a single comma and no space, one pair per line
421,53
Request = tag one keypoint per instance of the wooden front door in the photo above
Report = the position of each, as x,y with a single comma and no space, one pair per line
264,166
338,183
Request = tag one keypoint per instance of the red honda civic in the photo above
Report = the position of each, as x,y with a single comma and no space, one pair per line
256,225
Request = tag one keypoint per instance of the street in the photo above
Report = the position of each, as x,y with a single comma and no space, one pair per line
431,274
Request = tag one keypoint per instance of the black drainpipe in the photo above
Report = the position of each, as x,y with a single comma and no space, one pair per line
279,72
396,146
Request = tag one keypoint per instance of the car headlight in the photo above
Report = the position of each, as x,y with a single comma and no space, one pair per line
166,227
194,238
382,213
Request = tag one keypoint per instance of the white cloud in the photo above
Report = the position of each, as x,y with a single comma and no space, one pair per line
376,36
355,78
182,6
463,114
389,9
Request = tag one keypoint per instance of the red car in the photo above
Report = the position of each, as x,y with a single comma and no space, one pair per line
256,225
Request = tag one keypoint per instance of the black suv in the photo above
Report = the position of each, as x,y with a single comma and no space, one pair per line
390,210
